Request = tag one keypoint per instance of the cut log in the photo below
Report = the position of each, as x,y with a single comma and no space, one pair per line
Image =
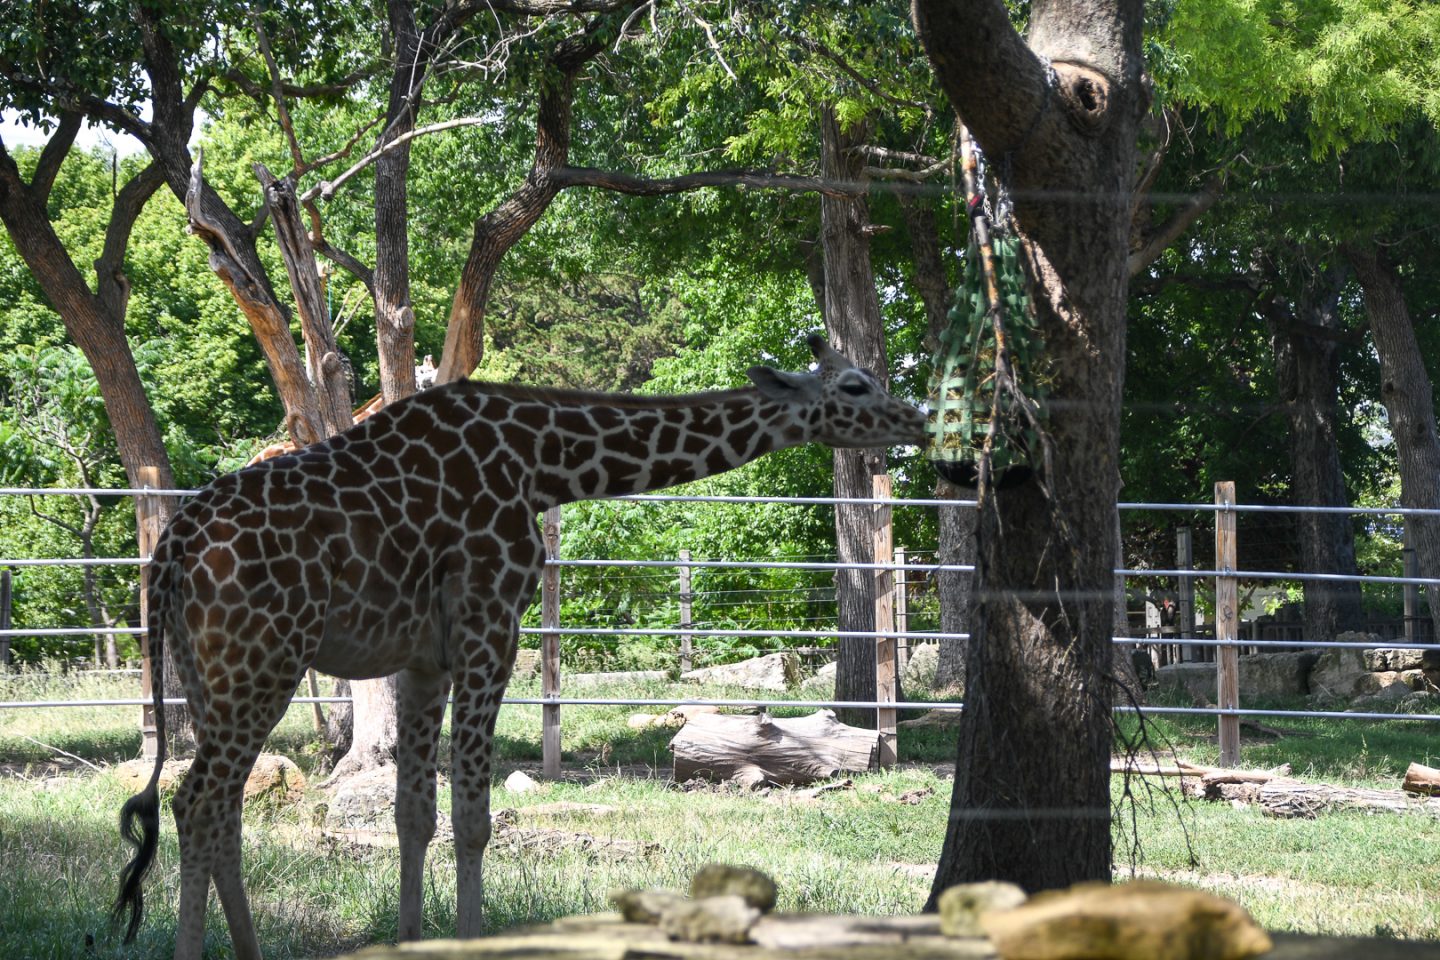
1422,779
1291,799
756,750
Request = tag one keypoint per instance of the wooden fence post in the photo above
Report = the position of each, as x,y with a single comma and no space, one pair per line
550,647
686,623
885,679
1227,623
148,516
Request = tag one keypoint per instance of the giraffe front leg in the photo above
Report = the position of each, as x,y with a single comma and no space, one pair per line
480,678
421,710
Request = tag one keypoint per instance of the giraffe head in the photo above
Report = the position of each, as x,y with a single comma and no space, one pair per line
841,405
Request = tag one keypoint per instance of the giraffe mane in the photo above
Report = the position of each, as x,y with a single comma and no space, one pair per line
623,401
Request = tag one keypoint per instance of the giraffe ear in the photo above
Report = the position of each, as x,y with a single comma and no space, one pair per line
786,387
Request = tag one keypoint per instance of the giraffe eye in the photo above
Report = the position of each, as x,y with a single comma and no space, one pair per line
854,389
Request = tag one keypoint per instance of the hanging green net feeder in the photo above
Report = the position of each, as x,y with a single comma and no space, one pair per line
985,373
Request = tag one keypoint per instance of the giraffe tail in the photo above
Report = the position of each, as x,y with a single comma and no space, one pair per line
140,817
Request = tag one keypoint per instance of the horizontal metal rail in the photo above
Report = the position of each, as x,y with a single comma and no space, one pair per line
811,501
799,704
922,636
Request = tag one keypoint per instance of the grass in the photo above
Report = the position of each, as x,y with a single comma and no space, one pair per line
860,850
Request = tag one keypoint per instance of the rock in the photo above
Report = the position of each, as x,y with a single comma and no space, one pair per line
1262,676
644,906
527,664
720,879
1382,659
921,667
364,802
673,719
521,782
1275,675
135,774
725,919
962,906
774,671
1143,920
1387,685
1338,672
1415,679
934,718
822,683
273,777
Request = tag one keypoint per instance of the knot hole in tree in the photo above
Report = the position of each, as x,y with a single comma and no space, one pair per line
1085,92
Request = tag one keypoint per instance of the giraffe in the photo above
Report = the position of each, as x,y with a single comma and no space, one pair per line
408,544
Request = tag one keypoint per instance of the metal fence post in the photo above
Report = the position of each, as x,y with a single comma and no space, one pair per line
886,687
1227,624
550,647
1185,615
1411,569
5,596
686,623
148,516
902,613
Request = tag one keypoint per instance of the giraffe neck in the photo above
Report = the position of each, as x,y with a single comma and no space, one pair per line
604,445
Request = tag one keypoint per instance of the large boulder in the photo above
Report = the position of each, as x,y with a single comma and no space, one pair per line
1262,676
774,671
273,778
1386,659
1340,673
921,667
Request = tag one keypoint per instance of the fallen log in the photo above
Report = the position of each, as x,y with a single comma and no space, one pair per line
1422,780
756,750
1206,775
1290,799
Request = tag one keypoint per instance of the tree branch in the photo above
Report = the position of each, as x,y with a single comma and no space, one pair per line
1156,240
113,287
57,148
753,179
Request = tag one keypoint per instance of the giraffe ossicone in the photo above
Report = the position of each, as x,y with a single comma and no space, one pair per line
408,544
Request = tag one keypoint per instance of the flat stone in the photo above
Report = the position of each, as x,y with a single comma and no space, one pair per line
1143,920
726,919
962,906
723,879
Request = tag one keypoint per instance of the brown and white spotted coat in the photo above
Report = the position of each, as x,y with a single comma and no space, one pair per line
409,544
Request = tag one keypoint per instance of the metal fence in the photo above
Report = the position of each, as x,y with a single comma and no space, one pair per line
1224,641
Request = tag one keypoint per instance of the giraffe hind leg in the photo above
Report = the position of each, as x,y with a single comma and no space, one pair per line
421,710
208,809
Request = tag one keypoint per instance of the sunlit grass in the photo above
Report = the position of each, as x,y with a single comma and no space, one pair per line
857,850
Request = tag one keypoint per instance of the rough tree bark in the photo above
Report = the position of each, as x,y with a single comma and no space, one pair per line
1305,342
1031,800
1406,391
851,310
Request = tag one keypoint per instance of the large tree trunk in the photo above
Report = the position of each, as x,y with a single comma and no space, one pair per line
1307,369
1406,391
851,310
1031,799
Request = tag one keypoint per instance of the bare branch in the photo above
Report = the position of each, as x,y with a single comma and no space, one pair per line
709,38
815,46
277,91
325,189
753,179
